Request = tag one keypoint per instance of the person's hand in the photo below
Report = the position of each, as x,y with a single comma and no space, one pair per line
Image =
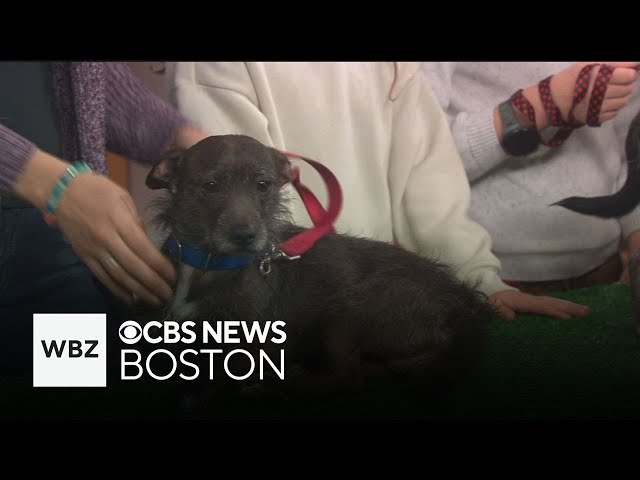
100,221
510,302
563,84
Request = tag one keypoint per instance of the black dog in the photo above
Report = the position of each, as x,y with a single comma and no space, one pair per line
353,307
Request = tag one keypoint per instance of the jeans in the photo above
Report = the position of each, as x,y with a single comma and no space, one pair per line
39,273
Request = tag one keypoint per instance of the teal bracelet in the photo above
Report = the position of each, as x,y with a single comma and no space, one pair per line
72,172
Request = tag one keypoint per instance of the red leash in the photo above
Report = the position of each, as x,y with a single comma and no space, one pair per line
566,128
322,219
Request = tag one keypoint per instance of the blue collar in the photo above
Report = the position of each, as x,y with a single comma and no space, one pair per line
203,260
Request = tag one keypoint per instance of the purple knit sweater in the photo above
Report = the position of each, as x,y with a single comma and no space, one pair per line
100,106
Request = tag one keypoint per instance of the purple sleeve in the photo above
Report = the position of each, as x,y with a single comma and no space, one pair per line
140,125
14,153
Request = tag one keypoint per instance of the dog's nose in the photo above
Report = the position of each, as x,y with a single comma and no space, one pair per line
243,235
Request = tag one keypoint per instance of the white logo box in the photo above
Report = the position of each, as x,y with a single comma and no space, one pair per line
76,343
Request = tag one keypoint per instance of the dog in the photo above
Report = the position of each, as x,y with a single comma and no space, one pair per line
354,307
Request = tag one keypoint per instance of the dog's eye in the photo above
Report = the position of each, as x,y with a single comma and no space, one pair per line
210,186
263,185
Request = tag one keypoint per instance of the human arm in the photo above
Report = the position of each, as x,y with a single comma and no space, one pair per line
140,125
431,200
100,221
478,129
474,131
98,217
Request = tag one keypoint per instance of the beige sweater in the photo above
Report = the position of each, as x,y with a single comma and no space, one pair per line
377,126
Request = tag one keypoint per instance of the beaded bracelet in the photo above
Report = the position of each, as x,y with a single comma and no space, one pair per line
72,172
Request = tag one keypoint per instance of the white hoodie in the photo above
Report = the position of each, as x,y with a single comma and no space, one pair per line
377,126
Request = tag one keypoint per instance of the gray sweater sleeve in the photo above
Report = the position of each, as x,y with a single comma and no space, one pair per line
473,132
476,139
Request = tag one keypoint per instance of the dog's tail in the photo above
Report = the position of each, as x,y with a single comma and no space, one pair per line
627,198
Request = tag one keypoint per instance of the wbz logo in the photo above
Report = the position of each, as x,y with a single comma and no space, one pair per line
69,350
75,348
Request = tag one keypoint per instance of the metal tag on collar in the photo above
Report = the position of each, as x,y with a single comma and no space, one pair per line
179,250
273,254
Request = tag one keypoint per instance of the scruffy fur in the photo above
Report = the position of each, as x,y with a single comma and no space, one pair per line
353,307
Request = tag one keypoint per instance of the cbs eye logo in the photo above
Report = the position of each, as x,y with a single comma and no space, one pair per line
130,332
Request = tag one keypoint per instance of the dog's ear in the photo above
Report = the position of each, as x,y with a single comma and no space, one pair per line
283,163
164,172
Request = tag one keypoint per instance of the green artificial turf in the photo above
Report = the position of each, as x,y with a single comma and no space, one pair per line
534,368
540,367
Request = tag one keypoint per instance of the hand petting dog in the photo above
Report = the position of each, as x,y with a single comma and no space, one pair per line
102,224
